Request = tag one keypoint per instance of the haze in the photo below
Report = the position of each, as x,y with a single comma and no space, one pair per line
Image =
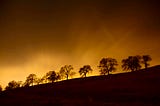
39,36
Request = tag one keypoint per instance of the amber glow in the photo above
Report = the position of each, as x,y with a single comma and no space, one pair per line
42,37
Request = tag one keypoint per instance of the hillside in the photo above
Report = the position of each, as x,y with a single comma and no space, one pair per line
139,88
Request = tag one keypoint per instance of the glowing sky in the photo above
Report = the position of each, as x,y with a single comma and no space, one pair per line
42,35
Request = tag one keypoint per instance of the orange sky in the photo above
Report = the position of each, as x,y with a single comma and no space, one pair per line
39,36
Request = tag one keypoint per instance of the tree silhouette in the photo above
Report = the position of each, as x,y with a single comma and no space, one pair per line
59,76
38,81
52,76
131,63
30,80
13,84
107,65
84,70
145,60
44,79
66,71
0,88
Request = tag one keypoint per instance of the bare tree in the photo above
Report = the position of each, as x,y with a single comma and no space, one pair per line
107,65
145,60
85,70
131,63
66,71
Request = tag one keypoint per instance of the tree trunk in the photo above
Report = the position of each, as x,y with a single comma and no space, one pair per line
32,81
108,72
145,65
67,76
132,69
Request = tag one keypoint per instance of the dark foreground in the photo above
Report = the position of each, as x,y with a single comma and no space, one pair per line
141,88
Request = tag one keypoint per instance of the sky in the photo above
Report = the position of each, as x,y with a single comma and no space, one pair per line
42,35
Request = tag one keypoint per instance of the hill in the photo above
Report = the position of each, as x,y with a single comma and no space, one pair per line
138,88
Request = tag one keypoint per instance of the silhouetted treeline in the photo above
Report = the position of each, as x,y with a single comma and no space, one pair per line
106,66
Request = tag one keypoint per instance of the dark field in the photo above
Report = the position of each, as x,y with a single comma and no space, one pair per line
141,88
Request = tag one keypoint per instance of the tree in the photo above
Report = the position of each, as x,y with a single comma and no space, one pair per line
131,63
13,84
38,81
66,71
30,80
0,88
145,60
44,79
59,76
52,76
107,65
85,70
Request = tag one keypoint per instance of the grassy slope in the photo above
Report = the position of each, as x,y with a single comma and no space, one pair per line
134,88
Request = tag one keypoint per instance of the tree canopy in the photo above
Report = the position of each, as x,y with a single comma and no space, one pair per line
85,70
30,80
131,63
13,84
107,65
52,76
66,71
